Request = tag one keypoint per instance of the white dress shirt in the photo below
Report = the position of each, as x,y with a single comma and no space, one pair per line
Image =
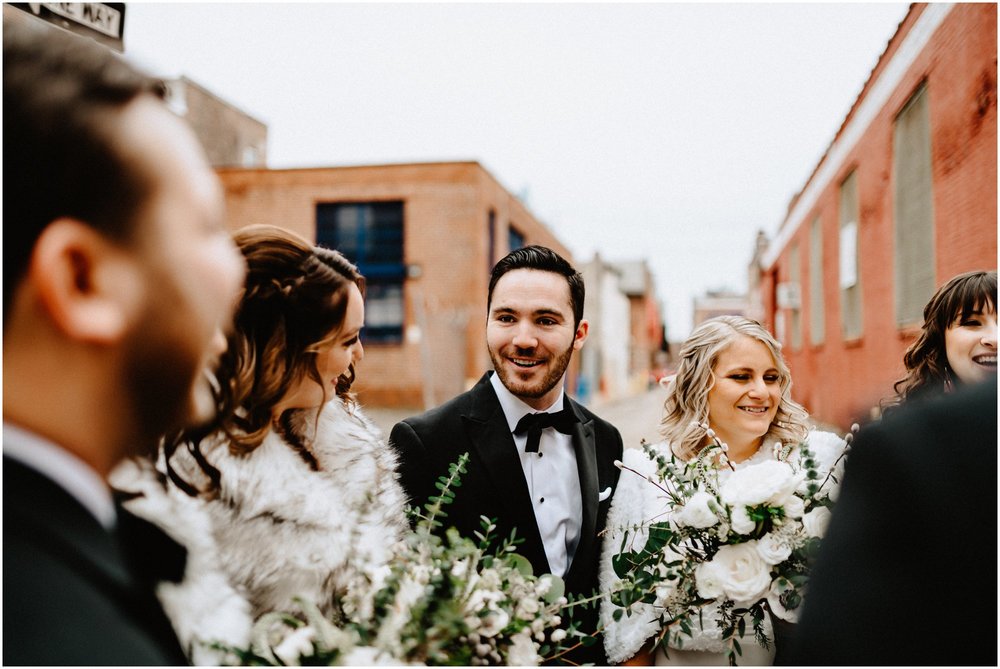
553,480
65,469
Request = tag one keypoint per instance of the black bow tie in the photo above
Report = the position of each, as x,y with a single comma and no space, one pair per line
534,423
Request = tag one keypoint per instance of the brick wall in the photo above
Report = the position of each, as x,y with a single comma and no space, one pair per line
446,246
840,381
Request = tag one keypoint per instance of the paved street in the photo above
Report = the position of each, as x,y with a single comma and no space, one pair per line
636,417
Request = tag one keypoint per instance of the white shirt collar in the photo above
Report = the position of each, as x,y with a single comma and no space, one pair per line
65,469
514,408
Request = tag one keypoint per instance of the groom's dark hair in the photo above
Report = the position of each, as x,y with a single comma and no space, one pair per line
544,259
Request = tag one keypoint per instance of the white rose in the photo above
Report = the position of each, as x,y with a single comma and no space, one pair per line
709,582
296,645
767,482
773,550
522,652
794,507
816,521
740,519
741,573
697,512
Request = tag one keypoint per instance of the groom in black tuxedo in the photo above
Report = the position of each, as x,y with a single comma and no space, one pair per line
118,277
538,462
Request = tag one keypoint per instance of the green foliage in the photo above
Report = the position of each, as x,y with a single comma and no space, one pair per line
658,559
442,600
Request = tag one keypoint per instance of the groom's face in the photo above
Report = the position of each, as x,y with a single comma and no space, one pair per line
530,334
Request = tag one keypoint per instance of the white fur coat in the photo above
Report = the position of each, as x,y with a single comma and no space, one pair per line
281,529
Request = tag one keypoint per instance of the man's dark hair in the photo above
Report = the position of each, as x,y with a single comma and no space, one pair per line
544,259
61,94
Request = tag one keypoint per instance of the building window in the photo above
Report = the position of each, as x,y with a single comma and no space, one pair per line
794,301
515,238
817,306
370,234
914,210
850,253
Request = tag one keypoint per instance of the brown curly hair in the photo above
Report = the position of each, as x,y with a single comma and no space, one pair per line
926,360
295,294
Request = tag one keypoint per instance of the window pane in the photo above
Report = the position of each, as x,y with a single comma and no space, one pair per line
515,239
850,272
817,306
914,210
795,270
370,234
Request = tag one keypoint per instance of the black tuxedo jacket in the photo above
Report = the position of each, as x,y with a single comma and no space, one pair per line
72,594
907,572
495,486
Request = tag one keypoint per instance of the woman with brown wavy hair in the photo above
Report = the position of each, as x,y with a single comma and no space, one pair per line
298,486
957,343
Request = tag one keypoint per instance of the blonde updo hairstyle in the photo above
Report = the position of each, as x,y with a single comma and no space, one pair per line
686,406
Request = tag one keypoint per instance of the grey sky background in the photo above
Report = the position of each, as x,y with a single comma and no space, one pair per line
667,131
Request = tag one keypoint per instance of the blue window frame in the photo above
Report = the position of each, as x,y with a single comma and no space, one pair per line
370,234
515,238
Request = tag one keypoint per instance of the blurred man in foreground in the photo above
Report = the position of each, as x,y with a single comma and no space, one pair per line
119,280
907,572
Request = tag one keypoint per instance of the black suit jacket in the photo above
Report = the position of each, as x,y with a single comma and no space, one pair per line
495,486
71,594
907,571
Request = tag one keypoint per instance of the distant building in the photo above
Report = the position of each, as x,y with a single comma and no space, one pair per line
904,198
426,237
718,303
605,359
625,347
648,347
230,136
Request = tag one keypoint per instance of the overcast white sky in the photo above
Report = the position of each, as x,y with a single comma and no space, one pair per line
671,132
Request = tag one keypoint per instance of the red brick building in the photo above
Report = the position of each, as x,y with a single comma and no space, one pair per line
904,198
426,237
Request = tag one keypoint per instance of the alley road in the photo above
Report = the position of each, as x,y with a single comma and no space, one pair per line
637,417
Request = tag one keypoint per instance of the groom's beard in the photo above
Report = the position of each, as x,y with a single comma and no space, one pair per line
534,389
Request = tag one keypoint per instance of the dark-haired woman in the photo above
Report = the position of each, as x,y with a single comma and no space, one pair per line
298,485
957,344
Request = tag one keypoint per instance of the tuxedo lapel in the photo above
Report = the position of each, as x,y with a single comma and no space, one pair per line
585,446
55,518
487,429
42,517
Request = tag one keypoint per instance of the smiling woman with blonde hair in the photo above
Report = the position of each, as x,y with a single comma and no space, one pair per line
687,403
732,384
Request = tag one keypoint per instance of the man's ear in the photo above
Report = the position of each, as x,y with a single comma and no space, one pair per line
87,285
581,334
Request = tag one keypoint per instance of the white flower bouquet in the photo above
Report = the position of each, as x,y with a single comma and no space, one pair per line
451,601
731,544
